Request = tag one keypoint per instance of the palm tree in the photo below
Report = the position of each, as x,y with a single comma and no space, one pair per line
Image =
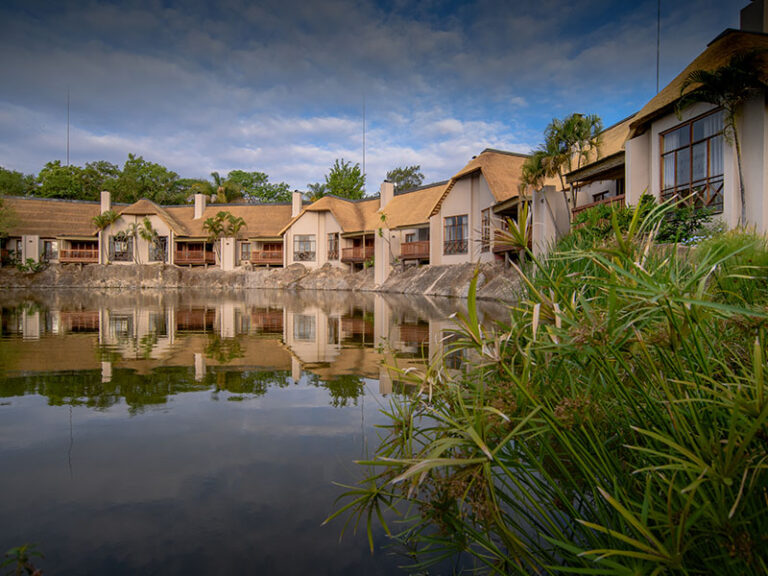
728,87
219,190
105,219
149,234
223,225
133,232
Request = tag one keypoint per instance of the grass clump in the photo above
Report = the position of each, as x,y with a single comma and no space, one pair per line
616,424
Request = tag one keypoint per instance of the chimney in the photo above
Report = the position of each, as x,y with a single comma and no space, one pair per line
106,201
199,205
386,193
295,203
754,17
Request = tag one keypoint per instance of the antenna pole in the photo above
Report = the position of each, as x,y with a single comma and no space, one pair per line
658,44
363,142
67,125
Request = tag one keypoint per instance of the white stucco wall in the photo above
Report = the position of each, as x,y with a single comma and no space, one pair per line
141,246
754,149
637,167
319,224
470,196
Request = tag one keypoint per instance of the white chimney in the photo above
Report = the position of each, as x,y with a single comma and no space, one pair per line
106,201
199,205
386,193
295,203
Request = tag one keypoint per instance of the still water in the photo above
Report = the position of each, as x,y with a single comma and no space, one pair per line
199,433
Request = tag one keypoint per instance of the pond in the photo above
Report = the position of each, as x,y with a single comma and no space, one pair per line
198,433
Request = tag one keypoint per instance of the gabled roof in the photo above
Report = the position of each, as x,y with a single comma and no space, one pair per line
51,218
500,169
352,215
718,53
146,207
413,208
261,220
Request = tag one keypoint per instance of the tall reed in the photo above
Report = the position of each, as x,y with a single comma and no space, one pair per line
617,423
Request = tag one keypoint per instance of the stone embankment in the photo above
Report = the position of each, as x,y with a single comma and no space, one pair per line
494,282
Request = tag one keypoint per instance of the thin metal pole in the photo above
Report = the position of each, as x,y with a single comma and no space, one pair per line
67,125
658,44
363,143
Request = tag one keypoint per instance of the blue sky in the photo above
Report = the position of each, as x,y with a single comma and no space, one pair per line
278,86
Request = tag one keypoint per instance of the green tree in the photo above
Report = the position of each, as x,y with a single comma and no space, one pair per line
96,176
14,183
104,219
343,180
728,87
6,218
257,188
57,181
406,177
142,179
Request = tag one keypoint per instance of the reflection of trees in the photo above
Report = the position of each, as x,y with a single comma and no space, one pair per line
223,349
342,388
85,388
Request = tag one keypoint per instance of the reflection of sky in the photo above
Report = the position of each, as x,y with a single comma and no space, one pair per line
194,486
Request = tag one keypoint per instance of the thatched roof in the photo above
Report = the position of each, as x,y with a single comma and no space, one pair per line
718,53
412,208
500,169
51,218
353,216
261,220
146,207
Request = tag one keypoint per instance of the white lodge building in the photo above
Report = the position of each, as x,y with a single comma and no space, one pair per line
652,152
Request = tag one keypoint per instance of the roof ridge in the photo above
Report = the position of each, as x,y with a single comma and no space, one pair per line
422,187
507,152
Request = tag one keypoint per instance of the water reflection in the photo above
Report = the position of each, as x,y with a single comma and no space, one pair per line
199,341
195,433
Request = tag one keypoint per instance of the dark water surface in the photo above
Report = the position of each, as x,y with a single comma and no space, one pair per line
198,433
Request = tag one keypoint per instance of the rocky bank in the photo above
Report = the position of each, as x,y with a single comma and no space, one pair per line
494,281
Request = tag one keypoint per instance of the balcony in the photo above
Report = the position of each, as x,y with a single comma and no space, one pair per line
356,255
266,258
414,250
84,256
604,200
194,257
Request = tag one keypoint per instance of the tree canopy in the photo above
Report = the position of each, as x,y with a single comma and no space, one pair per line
257,188
406,177
344,180
14,183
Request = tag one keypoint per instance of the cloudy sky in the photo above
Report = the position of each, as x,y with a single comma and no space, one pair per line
278,85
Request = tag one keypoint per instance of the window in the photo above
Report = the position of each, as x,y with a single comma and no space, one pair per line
410,237
304,248
50,250
485,230
333,246
245,251
158,249
304,328
455,241
121,248
692,162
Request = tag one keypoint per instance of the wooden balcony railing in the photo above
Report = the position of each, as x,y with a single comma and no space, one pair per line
264,257
356,254
609,200
414,250
194,257
86,256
